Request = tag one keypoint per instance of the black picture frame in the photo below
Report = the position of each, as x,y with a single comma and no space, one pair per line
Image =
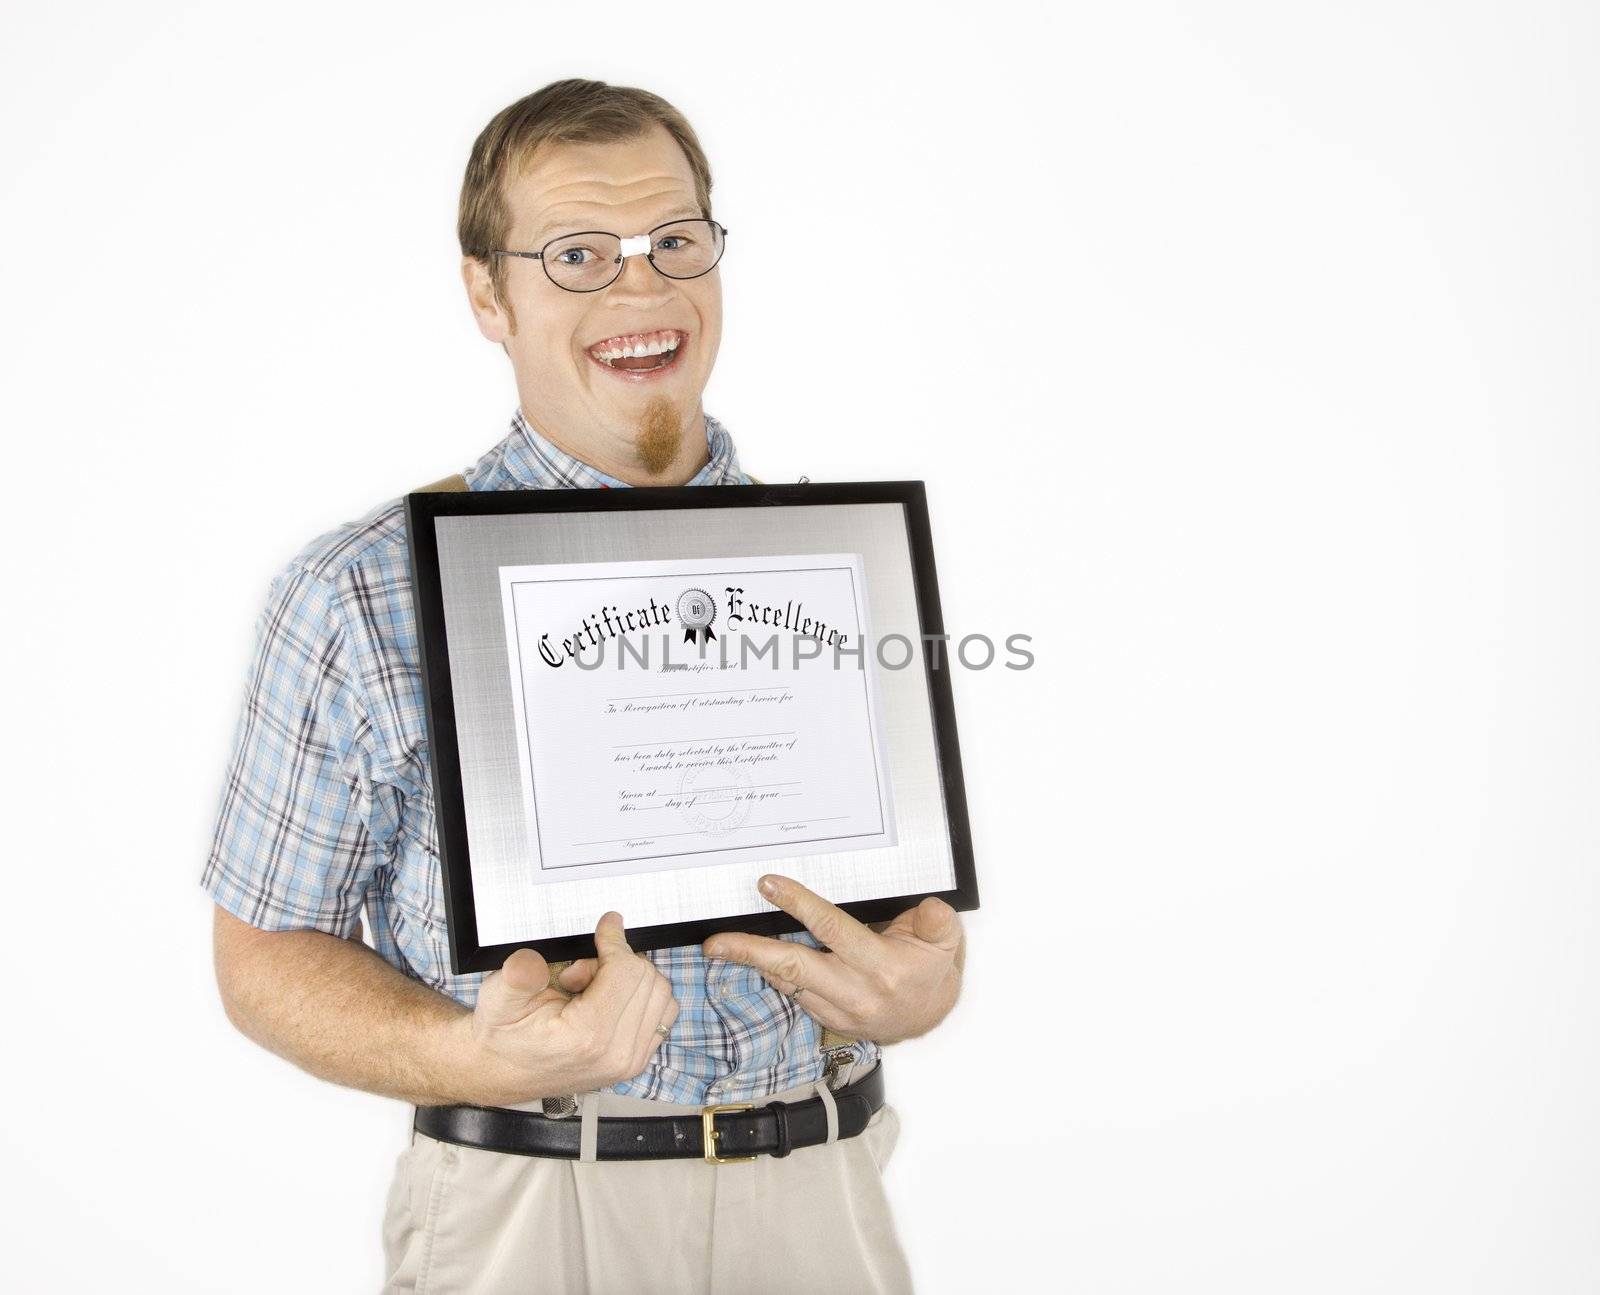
423,511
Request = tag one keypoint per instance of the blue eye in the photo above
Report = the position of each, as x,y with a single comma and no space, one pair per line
567,252
661,243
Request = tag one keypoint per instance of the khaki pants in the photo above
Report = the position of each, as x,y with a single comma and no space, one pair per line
460,1219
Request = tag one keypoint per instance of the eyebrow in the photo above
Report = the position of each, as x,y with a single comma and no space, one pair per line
550,229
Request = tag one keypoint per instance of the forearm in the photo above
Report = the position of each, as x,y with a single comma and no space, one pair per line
336,1009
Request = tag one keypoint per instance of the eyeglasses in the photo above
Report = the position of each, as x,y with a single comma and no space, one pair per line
592,259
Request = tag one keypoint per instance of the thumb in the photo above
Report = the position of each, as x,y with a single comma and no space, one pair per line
936,922
609,941
507,995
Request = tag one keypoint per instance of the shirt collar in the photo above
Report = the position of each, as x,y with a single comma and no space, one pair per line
537,462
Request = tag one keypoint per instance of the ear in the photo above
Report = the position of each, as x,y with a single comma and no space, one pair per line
494,321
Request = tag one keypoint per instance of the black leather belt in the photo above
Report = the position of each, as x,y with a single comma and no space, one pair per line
731,1131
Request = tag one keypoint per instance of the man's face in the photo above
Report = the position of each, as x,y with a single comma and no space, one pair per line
634,424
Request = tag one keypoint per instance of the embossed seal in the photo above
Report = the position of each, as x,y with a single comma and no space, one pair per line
715,798
697,611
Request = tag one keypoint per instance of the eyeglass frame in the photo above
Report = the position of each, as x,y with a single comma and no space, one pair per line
629,247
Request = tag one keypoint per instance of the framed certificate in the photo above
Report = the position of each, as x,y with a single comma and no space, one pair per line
645,699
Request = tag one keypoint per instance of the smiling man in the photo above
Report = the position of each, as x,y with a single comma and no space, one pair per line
610,366
561,1109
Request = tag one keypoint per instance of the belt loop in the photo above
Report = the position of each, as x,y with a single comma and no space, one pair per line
589,1134
826,1094
781,1110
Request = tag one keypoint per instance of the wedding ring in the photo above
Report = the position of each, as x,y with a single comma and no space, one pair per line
663,1031
798,991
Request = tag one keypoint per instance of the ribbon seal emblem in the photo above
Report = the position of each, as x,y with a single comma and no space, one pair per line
696,611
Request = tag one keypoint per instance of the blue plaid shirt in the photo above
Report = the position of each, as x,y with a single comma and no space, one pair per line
327,804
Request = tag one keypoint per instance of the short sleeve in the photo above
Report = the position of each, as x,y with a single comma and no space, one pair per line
292,848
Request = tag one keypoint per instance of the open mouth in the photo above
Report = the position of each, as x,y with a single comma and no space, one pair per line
637,354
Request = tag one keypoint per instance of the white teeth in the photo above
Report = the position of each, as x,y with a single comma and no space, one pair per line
662,344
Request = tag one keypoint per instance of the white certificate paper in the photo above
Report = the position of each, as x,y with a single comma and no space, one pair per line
732,713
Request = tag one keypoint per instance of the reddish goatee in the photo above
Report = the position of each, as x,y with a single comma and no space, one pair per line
660,435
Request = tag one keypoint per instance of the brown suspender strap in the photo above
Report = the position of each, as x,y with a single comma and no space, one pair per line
452,484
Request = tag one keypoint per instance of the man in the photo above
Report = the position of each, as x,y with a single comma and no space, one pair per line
327,808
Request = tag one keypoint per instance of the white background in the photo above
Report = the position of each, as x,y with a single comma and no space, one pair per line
1249,354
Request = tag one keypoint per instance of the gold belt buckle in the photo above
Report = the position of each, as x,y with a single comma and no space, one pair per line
709,1134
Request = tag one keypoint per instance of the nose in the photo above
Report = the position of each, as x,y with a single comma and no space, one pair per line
639,281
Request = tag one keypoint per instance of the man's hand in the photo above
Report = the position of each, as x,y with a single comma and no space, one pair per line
537,1041
884,986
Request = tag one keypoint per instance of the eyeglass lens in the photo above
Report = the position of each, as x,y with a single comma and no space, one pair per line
587,262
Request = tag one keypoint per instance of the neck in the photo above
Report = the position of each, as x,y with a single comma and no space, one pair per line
623,459
692,455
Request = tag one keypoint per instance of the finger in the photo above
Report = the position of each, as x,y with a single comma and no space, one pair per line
788,959
662,1010
639,1015
931,922
575,977
834,927
523,977
669,1016
936,922
508,995
629,1020
815,1005
610,941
